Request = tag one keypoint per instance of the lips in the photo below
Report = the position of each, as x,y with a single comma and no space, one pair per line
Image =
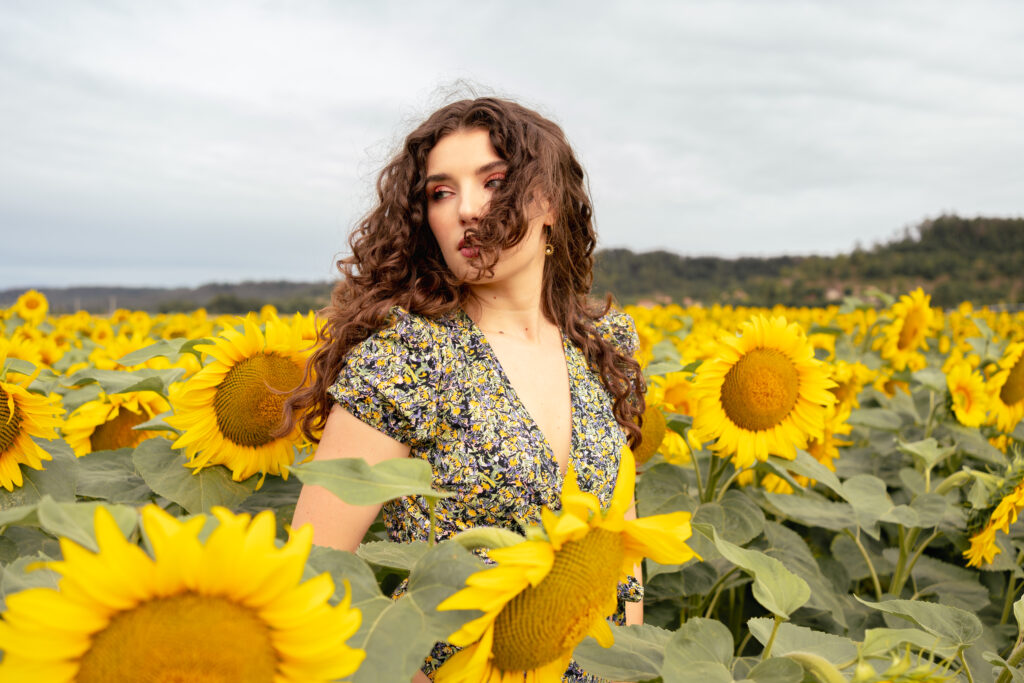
466,250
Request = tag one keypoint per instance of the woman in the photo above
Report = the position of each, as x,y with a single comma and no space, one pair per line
461,333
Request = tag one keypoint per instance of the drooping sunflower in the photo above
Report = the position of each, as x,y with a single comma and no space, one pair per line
1006,389
109,421
983,548
967,393
230,609
545,596
22,416
907,334
763,393
231,409
850,379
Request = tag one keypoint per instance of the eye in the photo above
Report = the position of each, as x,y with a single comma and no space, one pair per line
495,181
439,193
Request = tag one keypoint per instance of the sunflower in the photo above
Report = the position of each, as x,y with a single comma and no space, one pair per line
545,596
230,609
763,393
109,421
32,307
673,391
231,409
653,432
907,333
1006,389
22,416
967,395
983,548
850,379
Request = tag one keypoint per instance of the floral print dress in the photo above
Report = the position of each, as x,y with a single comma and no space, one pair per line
437,386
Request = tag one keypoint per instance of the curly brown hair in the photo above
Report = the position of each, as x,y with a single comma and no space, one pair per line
395,260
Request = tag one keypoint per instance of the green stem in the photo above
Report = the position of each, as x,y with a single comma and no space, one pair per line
1011,593
1014,660
728,482
743,644
716,590
917,553
928,425
713,472
771,638
867,558
431,504
967,669
696,469
899,576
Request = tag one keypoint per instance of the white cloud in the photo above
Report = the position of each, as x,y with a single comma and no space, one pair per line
177,142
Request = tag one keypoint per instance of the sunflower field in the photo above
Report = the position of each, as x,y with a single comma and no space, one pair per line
826,494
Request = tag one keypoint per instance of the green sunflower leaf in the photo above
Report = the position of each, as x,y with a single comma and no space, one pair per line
637,655
776,670
779,590
956,626
121,382
75,521
876,418
879,641
394,555
413,620
697,641
111,475
791,638
358,483
163,469
56,479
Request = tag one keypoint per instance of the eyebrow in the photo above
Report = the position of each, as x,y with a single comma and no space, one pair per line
500,163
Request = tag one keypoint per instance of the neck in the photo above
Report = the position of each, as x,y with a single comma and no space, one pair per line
512,311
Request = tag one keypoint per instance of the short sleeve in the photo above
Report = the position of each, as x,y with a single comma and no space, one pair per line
390,380
619,329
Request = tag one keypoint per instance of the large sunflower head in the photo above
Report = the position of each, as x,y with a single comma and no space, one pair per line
23,415
231,410
907,333
545,596
1006,389
230,609
763,393
967,395
109,421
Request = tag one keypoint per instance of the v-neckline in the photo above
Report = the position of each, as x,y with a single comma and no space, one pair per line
517,402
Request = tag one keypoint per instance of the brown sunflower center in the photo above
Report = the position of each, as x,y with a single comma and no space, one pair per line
845,392
118,433
760,390
249,410
912,330
187,638
10,421
546,622
652,434
1013,388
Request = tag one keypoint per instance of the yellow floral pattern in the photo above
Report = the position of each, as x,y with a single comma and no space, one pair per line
437,386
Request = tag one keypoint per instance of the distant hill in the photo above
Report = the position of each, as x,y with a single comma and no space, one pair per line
953,258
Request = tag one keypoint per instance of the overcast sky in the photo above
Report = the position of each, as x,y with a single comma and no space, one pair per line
179,143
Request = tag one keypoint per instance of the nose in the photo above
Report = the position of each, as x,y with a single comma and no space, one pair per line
471,205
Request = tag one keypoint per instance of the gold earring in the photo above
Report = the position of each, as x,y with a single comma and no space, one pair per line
549,250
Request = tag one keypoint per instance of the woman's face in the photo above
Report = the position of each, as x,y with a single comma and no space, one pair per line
463,171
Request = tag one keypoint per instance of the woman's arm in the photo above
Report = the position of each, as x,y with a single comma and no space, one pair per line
635,610
336,524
